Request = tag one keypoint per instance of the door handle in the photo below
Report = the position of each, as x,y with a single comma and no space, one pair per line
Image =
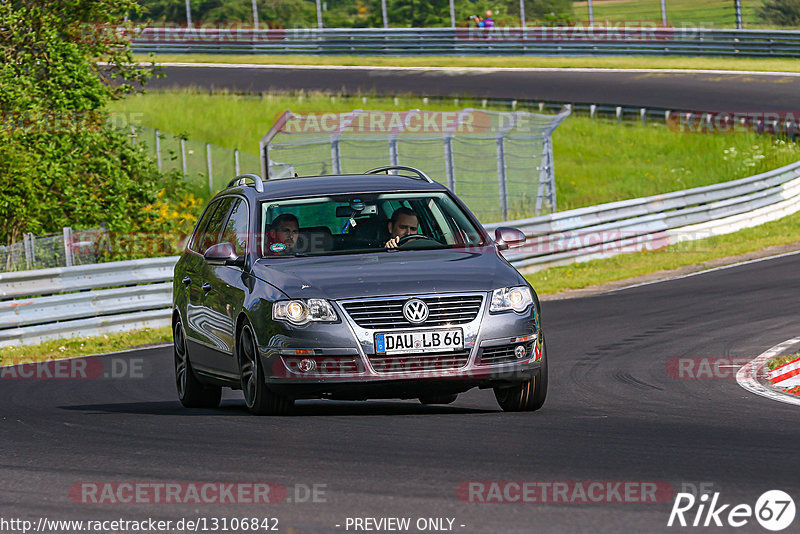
206,287
186,280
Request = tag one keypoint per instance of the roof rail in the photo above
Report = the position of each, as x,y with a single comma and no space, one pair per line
242,179
420,175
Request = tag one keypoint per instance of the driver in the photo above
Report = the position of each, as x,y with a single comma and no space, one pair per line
404,222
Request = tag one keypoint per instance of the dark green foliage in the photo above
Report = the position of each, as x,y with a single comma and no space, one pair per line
59,163
781,12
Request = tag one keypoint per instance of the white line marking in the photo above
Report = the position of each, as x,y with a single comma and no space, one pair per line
706,271
746,377
473,69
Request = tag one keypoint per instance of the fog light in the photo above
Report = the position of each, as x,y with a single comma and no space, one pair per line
520,352
307,365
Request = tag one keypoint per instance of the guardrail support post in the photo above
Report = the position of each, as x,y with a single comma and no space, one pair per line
619,113
592,111
643,115
208,168
449,164
68,246
501,176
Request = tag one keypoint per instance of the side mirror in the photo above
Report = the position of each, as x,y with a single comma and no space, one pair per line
223,254
506,237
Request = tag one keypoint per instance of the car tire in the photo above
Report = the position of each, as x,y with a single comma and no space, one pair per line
257,396
439,399
526,396
191,392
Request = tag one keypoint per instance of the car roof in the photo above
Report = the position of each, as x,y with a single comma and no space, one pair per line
337,184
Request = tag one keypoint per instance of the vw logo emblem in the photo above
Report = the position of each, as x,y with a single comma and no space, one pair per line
415,311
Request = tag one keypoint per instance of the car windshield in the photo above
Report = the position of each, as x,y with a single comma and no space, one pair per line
364,223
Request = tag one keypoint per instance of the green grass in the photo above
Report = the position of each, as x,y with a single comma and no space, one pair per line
83,346
624,266
705,13
774,363
596,161
619,62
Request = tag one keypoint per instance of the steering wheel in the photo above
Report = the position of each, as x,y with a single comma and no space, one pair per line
405,239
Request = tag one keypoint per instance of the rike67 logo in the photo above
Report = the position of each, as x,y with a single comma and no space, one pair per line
774,510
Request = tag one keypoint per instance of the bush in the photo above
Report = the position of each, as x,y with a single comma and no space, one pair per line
781,12
61,164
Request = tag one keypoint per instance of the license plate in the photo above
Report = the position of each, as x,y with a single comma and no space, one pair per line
407,342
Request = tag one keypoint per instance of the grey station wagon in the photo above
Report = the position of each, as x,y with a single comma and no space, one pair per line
378,285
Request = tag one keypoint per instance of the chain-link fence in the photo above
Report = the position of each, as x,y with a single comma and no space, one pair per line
205,166
65,249
499,163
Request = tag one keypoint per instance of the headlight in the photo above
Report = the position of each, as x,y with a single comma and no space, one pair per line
511,298
303,311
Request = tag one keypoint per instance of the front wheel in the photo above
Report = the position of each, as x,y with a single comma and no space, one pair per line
191,392
258,398
526,396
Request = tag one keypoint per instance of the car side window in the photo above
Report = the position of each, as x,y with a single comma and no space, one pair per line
237,227
194,243
212,232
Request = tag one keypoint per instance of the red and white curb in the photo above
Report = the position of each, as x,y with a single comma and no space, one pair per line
747,377
787,375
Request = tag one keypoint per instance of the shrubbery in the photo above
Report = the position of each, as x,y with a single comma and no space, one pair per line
781,12
60,164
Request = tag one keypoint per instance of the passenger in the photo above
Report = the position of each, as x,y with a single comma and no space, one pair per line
403,222
283,234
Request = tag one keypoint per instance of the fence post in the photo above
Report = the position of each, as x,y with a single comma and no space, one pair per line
68,246
208,169
236,161
643,115
158,149
336,156
183,157
133,135
619,114
501,176
393,155
592,110
27,244
449,165
546,190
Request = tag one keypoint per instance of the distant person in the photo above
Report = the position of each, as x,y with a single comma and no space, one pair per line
488,22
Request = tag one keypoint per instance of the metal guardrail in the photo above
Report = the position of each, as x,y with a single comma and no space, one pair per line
113,297
579,40
653,222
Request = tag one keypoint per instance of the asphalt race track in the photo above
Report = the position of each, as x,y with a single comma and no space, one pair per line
614,413
671,90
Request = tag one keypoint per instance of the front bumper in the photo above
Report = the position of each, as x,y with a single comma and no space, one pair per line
338,360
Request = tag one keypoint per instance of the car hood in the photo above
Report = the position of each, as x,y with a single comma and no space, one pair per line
389,273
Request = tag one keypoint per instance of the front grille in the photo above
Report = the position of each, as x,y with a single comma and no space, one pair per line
430,361
388,313
504,354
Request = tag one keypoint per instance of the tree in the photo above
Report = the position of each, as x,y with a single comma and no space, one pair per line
61,165
781,12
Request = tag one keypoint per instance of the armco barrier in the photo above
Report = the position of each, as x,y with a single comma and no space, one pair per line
597,40
113,297
653,222
85,300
